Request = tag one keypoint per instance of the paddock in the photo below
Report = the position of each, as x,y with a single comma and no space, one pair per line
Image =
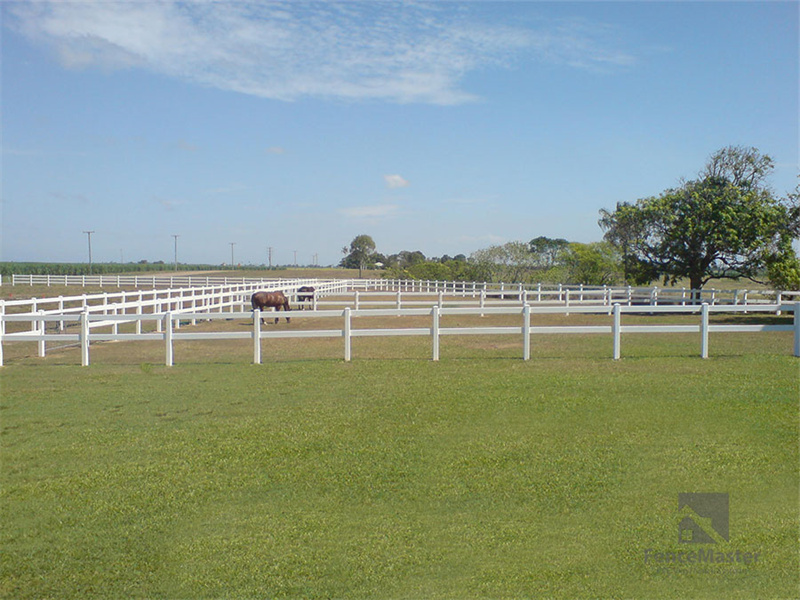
345,310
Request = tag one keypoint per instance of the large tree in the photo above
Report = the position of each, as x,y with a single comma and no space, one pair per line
360,254
724,224
548,252
591,264
513,262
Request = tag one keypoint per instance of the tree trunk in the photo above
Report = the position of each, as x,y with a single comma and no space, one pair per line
696,283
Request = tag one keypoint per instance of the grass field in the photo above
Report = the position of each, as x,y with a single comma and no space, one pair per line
480,476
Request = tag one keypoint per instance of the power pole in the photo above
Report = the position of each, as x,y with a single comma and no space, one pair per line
269,254
176,236
89,233
295,258
233,264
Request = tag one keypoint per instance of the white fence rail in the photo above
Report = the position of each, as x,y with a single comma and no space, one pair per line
561,293
150,281
170,322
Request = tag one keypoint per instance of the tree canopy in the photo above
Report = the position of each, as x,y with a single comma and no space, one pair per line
725,224
360,254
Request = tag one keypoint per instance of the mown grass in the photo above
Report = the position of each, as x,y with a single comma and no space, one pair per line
480,476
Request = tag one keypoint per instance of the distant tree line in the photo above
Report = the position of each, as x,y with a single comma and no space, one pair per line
54,268
725,224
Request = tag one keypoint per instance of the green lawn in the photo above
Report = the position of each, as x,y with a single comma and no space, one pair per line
476,477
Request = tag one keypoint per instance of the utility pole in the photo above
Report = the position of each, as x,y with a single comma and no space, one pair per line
295,258
233,264
269,254
89,233
176,236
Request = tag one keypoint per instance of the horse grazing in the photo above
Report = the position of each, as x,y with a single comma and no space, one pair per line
305,293
262,300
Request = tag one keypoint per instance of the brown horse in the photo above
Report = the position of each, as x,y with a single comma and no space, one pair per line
262,300
305,293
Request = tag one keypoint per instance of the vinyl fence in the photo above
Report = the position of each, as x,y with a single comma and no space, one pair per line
542,292
169,322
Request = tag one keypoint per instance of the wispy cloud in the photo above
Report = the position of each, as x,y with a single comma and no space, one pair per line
488,238
70,198
226,189
399,52
169,204
378,211
187,146
395,181
465,201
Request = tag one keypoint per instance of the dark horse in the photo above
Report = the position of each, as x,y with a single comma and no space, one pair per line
305,293
262,300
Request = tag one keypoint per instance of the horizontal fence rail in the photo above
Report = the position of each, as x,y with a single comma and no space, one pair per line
555,292
152,281
165,326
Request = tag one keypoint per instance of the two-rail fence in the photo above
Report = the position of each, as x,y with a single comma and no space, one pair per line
158,314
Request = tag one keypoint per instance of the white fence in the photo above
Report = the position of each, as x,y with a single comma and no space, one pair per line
170,322
157,314
562,293
140,281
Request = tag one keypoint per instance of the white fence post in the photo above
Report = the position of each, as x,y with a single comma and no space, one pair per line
3,327
526,331
346,334
61,325
84,338
168,336
796,329
704,330
435,330
257,336
41,327
617,331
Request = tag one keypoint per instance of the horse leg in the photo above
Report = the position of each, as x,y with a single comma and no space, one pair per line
287,308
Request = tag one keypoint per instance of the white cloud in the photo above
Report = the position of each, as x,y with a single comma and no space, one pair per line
399,52
395,181
378,211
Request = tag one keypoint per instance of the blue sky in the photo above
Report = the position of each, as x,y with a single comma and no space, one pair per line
443,127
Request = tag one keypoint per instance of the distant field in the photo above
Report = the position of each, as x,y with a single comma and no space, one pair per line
481,476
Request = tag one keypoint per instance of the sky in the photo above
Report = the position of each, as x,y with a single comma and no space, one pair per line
443,127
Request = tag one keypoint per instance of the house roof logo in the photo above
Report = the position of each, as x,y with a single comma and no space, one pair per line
703,518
